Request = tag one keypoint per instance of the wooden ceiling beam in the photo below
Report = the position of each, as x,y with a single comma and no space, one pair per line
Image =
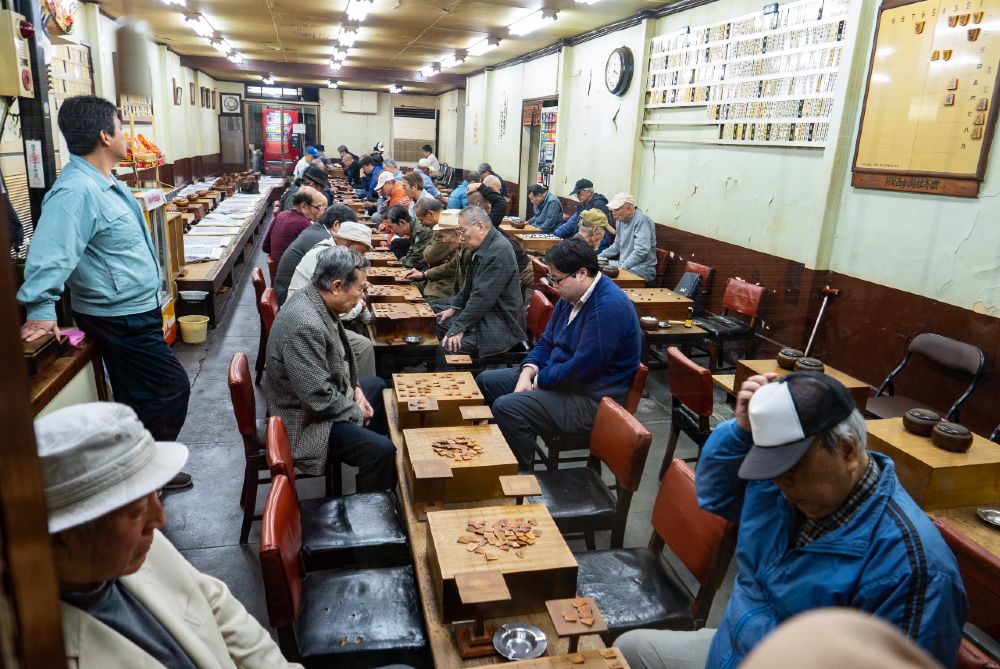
311,70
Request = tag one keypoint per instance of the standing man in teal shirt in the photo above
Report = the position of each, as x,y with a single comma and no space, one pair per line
92,239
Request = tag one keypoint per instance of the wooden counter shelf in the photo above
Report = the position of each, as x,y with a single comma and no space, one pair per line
444,648
43,387
973,526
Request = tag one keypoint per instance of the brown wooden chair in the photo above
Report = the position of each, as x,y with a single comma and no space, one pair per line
950,355
542,286
363,529
705,272
740,305
662,261
636,587
578,499
377,610
692,403
557,444
539,313
259,286
252,431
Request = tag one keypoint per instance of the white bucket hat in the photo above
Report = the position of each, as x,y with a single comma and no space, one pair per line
98,457
355,232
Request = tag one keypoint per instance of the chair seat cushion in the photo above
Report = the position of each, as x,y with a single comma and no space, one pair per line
362,529
725,328
377,612
633,588
576,498
893,406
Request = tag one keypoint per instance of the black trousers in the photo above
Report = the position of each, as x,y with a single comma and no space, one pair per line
145,373
367,448
400,246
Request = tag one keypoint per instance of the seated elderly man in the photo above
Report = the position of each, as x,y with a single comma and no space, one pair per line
312,378
596,230
486,195
413,186
486,170
357,237
548,213
129,599
316,177
322,230
307,205
391,193
399,221
583,190
634,248
823,522
459,198
447,262
423,169
589,350
486,317
425,217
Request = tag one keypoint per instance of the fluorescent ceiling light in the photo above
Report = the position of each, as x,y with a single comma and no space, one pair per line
200,25
452,61
235,57
332,84
483,46
340,55
182,3
357,10
531,23
393,88
348,36
222,46
587,2
269,79
334,65
429,71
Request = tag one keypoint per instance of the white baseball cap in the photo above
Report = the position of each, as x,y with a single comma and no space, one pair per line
384,177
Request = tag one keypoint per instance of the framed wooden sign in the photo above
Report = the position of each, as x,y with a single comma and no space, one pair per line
191,91
930,107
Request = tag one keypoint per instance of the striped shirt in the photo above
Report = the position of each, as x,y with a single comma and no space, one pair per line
810,530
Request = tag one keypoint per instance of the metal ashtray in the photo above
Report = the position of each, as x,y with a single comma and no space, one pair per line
413,339
519,641
987,514
664,324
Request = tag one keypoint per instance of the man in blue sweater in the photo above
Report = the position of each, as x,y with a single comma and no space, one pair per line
823,522
589,350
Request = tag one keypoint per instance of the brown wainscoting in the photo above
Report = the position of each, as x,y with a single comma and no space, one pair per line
865,330
185,170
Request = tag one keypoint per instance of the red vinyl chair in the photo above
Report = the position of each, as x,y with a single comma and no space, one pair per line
740,305
259,286
267,306
692,400
252,432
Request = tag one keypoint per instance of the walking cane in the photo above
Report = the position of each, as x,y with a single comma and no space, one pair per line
827,293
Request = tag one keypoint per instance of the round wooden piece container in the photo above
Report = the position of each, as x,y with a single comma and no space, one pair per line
809,365
787,357
920,421
611,272
518,225
951,437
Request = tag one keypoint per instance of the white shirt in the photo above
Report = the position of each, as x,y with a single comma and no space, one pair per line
300,167
432,163
413,204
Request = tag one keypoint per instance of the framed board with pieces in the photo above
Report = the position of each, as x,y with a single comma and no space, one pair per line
380,258
659,302
451,391
930,105
477,455
522,542
393,293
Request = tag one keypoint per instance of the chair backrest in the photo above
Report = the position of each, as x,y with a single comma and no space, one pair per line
689,286
280,560
742,297
620,441
662,260
279,450
949,353
693,535
268,309
539,312
259,284
541,269
242,396
703,270
635,390
272,268
980,570
690,383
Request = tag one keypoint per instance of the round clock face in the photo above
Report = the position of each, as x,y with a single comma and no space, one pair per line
230,104
618,70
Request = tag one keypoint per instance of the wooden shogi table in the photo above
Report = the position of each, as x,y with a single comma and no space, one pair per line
510,230
746,368
442,642
662,303
395,320
627,279
477,478
393,293
380,258
387,275
391,356
449,390
536,243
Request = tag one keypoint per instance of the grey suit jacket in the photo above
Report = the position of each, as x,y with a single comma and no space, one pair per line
490,303
311,376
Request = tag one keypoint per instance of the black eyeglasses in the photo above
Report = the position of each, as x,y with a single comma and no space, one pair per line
553,281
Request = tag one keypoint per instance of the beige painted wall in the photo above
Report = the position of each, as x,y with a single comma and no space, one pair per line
451,120
360,132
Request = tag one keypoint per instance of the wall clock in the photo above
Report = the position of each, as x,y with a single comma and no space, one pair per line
618,70
230,102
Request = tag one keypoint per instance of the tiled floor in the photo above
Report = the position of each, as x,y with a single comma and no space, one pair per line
203,522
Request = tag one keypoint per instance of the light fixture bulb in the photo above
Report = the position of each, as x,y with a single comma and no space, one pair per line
531,23
334,65
429,71
587,2
452,61
268,80
393,88
200,25
222,46
235,57
483,46
340,55
357,10
332,84
182,3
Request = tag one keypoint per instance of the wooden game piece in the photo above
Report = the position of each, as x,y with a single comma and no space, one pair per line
458,359
575,617
609,653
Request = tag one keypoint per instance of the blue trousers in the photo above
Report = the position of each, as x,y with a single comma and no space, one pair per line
145,374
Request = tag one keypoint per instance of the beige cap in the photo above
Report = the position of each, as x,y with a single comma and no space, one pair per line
355,232
621,198
448,220
384,177
595,218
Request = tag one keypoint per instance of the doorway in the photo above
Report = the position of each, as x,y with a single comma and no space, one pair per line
281,132
538,142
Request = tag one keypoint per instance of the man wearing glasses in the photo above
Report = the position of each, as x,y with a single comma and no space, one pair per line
486,317
307,206
589,350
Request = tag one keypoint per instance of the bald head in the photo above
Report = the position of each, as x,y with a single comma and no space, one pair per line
493,182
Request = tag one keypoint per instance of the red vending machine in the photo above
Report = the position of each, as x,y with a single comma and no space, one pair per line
278,138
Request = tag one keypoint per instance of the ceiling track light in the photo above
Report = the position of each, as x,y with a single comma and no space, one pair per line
532,22
348,35
483,46
334,65
221,45
332,84
394,89
357,10
587,2
200,25
268,80
235,57
452,61
340,55
430,71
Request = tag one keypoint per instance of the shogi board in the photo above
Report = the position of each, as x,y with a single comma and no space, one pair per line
510,230
395,320
746,368
609,658
934,477
536,242
393,293
547,571
387,275
380,258
471,480
663,303
451,390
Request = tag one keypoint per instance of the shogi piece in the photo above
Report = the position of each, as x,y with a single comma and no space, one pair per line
538,242
746,368
545,570
474,477
662,303
575,617
387,275
935,478
395,320
393,293
380,258
451,390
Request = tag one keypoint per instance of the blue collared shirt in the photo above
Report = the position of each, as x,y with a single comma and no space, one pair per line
91,238
429,184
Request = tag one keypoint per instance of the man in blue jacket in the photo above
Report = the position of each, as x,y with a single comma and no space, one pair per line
583,191
548,209
92,239
823,522
589,350
459,198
